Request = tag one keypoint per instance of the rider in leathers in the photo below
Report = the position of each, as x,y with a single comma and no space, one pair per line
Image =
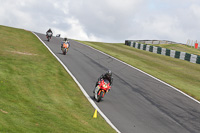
65,40
108,76
49,30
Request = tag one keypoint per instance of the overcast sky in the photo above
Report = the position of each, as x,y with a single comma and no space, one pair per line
106,20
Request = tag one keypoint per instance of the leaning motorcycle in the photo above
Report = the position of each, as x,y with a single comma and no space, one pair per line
101,89
49,34
65,48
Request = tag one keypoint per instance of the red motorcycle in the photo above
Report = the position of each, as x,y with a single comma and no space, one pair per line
101,89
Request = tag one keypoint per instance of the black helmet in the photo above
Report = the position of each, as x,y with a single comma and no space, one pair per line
65,39
109,73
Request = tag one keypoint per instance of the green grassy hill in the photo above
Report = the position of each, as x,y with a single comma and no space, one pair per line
36,93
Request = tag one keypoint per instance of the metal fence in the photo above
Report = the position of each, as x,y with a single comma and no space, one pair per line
164,51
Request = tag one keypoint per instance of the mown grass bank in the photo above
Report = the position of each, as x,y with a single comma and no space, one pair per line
36,93
179,73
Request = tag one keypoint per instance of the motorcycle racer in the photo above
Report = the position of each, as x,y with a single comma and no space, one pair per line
65,40
106,76
49,30
49,34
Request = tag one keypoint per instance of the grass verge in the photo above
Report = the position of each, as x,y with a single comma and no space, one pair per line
36,93
178,73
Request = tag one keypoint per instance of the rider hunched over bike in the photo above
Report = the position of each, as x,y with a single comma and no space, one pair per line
65,40
49,30
106,76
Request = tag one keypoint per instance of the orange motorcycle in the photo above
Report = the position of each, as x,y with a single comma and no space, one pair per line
65,48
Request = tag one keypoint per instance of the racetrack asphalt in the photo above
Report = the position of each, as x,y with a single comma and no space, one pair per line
137,102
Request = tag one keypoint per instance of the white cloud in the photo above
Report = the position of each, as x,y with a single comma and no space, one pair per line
106,20
77,31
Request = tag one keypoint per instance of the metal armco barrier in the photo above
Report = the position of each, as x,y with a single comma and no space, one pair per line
164,51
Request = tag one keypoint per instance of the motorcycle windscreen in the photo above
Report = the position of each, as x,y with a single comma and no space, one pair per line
49,34
106,81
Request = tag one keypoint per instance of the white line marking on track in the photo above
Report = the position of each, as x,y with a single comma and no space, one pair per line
82,89
144,73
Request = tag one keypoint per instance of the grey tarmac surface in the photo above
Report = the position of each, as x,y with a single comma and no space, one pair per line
137,103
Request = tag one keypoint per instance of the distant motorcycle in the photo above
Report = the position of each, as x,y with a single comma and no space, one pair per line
65,48
49,35
101,89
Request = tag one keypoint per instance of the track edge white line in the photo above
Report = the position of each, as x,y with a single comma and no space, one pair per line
143,73
83,91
